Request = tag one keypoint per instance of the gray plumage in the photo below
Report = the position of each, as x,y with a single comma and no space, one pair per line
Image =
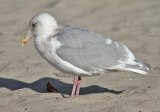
90,51
79,51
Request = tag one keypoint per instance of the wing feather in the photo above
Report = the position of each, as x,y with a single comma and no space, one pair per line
89,51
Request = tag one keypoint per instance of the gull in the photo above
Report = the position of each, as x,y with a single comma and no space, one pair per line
78,51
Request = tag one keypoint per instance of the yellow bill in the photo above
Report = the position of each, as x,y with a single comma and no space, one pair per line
25,39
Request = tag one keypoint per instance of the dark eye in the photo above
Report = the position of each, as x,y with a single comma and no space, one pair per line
34,24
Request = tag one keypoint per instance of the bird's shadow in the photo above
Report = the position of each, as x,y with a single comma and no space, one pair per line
62,87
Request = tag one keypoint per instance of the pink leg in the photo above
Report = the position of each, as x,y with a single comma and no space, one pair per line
78,86
75,81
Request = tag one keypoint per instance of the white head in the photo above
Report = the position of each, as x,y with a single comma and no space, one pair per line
41,25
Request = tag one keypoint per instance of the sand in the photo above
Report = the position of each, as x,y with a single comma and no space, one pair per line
24,73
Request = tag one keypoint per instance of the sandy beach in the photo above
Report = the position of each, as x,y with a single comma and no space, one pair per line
24,73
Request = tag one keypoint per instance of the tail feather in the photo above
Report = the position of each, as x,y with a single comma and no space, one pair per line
137,71
138,67
134,66
143,65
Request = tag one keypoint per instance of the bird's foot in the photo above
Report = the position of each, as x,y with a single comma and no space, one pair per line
76,88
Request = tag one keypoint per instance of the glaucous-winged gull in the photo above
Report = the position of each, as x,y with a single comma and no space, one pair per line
78,51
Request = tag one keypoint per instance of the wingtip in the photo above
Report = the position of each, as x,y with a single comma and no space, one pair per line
148,67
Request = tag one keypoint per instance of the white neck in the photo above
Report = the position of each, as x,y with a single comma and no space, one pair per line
46,30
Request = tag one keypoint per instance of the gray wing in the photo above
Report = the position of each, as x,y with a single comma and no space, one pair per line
88,50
